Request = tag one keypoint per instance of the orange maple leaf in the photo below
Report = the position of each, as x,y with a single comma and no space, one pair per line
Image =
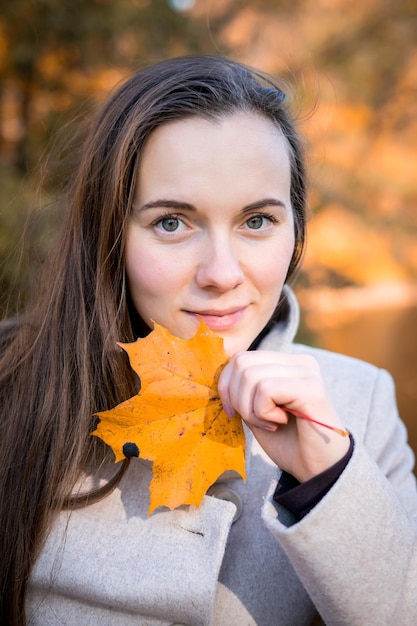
177,420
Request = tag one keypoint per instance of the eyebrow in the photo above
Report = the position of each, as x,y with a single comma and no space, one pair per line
186,206
260,204
170,204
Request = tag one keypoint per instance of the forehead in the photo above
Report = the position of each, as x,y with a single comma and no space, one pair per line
231,126
241,144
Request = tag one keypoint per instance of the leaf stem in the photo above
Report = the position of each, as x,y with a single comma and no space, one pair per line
339,431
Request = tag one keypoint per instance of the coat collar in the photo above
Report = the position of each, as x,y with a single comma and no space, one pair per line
282,333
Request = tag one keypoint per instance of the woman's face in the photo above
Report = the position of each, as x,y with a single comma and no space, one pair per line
211,233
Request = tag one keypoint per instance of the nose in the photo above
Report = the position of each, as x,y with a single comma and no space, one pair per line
219,266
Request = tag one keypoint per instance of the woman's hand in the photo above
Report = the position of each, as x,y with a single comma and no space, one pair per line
263,387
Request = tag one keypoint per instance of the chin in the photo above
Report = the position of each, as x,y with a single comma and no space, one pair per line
231,347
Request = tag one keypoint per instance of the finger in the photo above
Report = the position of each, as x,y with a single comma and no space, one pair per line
265,357
247,375
223,389
241,390
265,403
276,417
245,382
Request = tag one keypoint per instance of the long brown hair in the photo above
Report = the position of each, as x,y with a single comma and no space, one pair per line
59,362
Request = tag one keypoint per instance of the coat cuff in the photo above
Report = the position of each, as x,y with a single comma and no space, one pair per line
299,498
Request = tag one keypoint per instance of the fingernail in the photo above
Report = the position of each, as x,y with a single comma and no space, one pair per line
269,427
228,410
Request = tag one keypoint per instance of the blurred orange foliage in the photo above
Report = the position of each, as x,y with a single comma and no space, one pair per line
352,66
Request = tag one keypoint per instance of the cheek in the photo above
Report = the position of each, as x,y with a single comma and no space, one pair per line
152,275
143,270
272,267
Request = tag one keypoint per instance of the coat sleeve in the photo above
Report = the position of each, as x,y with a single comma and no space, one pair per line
356,551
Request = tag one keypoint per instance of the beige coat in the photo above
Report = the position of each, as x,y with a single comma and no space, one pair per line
354,556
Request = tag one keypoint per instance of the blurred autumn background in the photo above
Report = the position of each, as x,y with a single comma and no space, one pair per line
354,70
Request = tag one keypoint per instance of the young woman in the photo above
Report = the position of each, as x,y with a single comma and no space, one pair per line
190,201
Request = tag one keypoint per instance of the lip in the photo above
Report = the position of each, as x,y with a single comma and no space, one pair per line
220,320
